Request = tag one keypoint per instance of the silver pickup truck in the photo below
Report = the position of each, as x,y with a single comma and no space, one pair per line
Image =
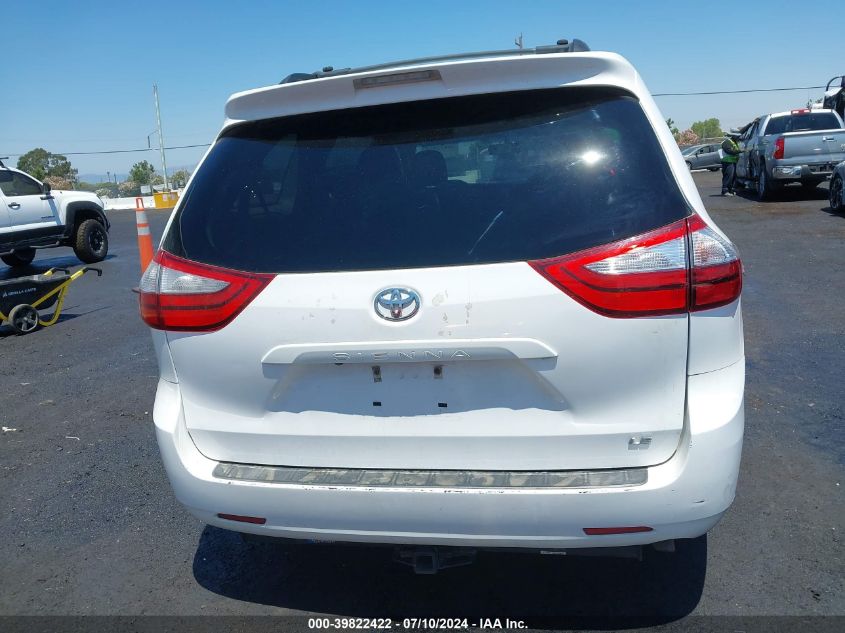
800,146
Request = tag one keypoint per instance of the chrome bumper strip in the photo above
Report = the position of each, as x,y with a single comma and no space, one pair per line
387,478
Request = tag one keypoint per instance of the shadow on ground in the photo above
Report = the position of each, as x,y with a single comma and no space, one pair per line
790,193
364,581
831,212
42,265
6,330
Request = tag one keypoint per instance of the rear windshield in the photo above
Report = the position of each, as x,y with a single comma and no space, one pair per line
481,179
802,123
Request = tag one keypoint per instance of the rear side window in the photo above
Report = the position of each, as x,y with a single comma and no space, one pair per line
802,123
481,179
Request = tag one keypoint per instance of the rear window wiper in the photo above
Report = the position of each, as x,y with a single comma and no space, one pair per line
487,230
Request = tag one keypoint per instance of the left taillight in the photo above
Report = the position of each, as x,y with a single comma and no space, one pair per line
181,295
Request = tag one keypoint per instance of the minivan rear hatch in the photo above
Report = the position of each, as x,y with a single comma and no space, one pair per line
404,323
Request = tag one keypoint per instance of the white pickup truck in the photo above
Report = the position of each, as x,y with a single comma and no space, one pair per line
800,146
33,216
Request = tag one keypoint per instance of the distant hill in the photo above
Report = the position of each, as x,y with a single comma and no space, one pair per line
95,178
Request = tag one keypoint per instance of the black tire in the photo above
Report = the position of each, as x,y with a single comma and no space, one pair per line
92,242
765,190
714,168
689,165
23,318
19,258
837,195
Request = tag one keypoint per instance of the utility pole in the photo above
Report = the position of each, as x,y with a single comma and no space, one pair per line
518,41
160,139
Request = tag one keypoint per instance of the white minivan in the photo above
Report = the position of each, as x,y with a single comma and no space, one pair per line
467,301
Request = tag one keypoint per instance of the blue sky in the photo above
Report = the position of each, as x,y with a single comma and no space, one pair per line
78,75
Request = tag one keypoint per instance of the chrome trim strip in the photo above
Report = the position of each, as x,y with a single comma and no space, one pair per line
408,351
388,478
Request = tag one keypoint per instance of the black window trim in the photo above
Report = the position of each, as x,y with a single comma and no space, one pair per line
25,177
232,130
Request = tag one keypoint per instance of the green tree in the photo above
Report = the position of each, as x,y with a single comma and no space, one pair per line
106,190
711,128
179,178
42,164
59,167
142,173
672,127
107,186
35,162
128,188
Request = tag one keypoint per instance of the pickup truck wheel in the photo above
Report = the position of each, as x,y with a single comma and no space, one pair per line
19,258
765,191
837,204
23,318
92,242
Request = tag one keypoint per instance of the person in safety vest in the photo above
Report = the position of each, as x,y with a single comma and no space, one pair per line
730,155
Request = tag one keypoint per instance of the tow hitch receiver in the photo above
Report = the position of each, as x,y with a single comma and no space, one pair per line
430,560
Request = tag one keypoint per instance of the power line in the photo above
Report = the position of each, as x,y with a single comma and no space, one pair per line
730,92
119,151
656,94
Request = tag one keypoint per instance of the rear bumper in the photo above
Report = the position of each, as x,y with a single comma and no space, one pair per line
683,498
795,173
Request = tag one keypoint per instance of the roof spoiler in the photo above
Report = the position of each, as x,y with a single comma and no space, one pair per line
561,46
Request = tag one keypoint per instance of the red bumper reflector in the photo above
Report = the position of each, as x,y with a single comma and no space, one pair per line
616,530
242,519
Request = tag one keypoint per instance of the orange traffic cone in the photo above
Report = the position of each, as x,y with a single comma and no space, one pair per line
145,239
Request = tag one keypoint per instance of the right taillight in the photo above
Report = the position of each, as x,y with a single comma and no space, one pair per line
779,145
716,268
182,295
683,267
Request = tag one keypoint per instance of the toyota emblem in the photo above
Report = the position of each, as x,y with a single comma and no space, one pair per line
397,304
